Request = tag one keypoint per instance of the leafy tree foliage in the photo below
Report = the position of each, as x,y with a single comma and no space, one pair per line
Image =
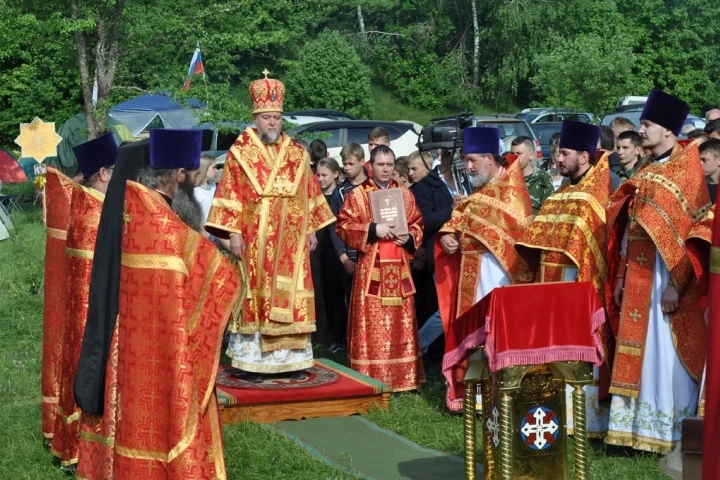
329,74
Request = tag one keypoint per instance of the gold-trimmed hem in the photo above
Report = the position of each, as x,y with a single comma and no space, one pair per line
154,262
639,442
99,439
78,253
56,233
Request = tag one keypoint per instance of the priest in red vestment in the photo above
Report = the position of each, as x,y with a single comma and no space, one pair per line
96,159
567,241
269,205
176,295
58,191
661,335
383,340
474,250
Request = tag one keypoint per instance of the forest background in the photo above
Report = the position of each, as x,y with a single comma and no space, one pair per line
438,56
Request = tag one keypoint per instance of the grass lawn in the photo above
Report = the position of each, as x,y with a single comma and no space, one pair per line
250,451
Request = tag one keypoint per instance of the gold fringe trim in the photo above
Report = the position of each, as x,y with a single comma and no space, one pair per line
391,361
628,350
639,442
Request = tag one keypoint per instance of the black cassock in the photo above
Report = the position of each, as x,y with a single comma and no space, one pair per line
105,280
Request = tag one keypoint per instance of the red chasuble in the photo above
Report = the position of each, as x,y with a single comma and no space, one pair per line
489,220
176,294
58,191
85,211
270,196
711,461
661,203
382,332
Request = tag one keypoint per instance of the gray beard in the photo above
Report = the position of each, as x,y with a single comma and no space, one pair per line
269,139
187,207
480,180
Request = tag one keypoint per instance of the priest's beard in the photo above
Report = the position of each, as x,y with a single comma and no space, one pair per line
186,206
269,138
480,179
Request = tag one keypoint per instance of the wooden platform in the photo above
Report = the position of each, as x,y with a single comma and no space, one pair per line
353,393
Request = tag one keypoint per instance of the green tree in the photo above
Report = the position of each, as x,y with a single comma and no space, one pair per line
329,74
587,73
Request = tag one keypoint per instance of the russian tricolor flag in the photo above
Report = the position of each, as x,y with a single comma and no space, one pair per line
196,66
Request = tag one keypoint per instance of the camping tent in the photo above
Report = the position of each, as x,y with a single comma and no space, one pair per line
10,170
139,112
73,133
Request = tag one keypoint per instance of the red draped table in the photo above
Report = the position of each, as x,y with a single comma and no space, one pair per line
523,344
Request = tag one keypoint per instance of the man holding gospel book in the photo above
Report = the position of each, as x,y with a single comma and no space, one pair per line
381,221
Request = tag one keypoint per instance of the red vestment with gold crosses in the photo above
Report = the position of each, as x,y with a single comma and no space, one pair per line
268,195
85,210
488,221
383,340
58,191
649,220
176,295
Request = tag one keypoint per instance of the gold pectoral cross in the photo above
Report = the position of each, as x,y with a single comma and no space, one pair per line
282,184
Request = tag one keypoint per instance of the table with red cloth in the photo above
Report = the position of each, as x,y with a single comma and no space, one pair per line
515,323
523,325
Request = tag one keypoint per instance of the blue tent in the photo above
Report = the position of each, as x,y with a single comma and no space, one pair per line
137,113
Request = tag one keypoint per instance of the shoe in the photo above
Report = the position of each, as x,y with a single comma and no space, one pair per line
335,348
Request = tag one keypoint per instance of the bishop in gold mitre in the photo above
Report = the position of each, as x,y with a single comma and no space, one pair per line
269,205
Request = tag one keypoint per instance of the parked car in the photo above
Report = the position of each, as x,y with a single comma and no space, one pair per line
295,120
216,141
633,114
541,115
631,100
320,112
336,134
543,132
509,127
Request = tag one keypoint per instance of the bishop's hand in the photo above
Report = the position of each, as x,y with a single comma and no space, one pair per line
383,231
312,242
401,239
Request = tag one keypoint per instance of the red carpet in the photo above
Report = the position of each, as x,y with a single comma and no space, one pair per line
329,389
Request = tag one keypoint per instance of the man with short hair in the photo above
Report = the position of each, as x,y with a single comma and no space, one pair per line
401,174
631,153
608,142
712,129
476,251
539,183
378,136
621,124
383,329
712,114
96,159
660,332
418,166
710,158
270,206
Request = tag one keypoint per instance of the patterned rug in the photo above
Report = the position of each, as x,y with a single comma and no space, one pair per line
315,376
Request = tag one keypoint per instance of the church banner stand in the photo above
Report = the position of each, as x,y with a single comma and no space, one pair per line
328,389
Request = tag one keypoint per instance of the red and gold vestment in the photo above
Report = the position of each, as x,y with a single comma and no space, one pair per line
658,207
176,295
488,221
85,210
58,191
382,332
569,231
268,195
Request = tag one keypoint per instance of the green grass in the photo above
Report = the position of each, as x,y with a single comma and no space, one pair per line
250,451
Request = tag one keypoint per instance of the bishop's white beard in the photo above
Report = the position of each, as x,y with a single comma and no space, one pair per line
269,138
